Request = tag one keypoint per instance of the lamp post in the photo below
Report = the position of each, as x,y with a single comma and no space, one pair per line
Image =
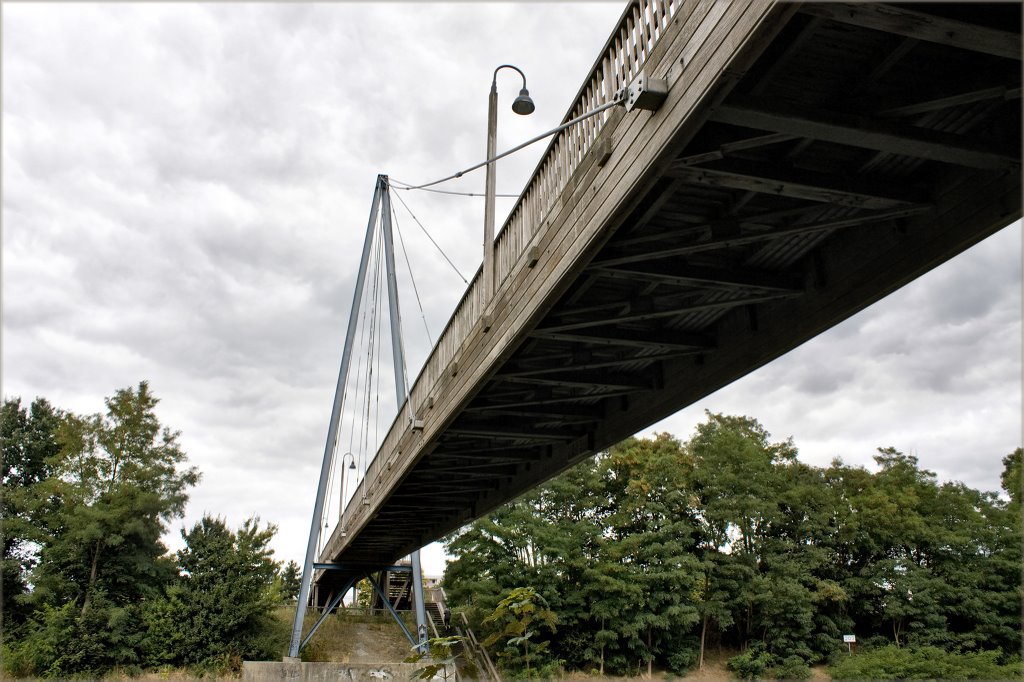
351,465
523,106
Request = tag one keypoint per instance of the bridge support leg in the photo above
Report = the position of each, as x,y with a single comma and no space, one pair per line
417,595
394,614
330,607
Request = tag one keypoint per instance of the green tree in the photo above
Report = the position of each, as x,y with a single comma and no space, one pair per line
290,580
518,619
116,483
443,654
113,484
1012,478
219,609
28,440
650,536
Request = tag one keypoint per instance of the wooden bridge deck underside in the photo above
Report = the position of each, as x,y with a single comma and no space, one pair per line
809,160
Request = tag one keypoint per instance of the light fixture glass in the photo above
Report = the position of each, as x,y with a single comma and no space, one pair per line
523,105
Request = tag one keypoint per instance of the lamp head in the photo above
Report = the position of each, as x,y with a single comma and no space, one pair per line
523,105
352,464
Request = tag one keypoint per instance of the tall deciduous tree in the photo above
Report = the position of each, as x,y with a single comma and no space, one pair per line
117,480
28,440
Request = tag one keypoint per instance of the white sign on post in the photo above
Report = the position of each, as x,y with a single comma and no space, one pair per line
849,639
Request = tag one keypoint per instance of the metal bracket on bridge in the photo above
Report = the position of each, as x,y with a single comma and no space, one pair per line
646,93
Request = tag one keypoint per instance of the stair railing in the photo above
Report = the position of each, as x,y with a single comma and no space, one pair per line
479,652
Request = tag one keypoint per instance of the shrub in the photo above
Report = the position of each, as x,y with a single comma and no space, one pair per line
792,668
891,662
682,660
752,664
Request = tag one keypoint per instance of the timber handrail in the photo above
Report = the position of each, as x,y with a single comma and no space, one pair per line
641,25
479,652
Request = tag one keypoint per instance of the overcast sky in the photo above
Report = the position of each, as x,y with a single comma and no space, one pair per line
185,192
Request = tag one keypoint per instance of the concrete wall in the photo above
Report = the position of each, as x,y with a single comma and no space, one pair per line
297,671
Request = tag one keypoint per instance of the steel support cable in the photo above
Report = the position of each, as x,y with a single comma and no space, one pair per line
458,194
361,378
365,344
567,124
371,351
359,372
436,245
412,278
372,445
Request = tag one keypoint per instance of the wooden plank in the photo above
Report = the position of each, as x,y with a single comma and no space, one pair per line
914,24
861,131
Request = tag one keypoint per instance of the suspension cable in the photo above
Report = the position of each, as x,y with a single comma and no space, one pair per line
567,124
412,278
445,191
376,391
436,245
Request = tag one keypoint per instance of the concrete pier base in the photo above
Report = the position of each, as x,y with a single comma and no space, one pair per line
294,670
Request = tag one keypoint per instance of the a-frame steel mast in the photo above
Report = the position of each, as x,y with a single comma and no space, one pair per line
381,205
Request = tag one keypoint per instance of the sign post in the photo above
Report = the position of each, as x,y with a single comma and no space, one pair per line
849,641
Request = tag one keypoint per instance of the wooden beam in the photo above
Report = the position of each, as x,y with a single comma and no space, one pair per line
756,221
914,24
555,400
584,378
693,276
817,187
728,148
712,244
940,103
666,309
584,413
489,466
434,472
792,47
477,454
600,364
863,132
616,337
496,432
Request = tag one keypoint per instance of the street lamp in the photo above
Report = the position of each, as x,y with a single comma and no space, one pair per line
352,465
523,106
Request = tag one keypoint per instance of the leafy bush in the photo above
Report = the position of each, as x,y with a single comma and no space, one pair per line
682,660
792,668
891,662
753,663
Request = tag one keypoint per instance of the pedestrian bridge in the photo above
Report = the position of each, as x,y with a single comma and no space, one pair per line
807,160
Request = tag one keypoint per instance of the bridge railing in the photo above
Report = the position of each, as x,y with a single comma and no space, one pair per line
641,25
